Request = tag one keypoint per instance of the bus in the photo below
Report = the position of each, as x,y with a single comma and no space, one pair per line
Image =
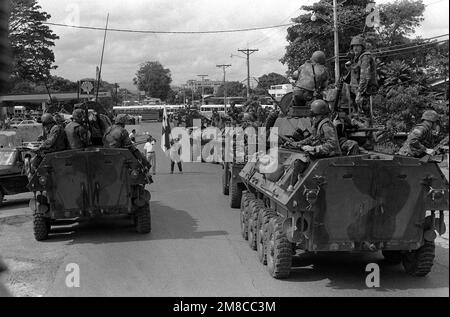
207,110
145,113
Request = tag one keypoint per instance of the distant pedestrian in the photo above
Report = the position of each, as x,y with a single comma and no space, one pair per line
149,151
175,152
133,136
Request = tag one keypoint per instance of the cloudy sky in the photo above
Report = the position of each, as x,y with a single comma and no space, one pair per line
78,51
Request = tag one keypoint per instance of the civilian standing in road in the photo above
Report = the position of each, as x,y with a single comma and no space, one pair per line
149,151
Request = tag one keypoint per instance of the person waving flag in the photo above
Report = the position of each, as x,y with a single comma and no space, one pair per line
165,138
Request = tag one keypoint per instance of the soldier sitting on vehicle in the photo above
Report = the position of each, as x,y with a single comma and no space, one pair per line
311,79
117,136
322,143
77,134
54,139
421,138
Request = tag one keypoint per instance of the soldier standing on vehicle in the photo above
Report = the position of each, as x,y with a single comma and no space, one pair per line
76,132
421,139
311,79
363,77
322,143
117,136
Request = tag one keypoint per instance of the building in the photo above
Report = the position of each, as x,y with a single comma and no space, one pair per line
197,84
278,91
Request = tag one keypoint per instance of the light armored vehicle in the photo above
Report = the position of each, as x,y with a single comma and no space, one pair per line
363,203
88,183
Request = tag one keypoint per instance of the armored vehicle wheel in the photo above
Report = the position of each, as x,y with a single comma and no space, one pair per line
419,262
235,193
393,257
41,227
225,174
264,217
278,250
255,208
245,201
143,220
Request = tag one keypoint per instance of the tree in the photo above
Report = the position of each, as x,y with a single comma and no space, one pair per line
307,36
268,80
234,89
398,21
154,79
31,41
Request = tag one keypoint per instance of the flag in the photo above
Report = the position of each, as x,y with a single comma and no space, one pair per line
165,138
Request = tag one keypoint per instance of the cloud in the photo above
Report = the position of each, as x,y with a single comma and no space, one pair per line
78,51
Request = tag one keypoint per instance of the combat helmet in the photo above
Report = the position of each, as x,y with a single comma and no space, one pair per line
320,107
47,119
358,40
78,115
121,119
430,115
318,57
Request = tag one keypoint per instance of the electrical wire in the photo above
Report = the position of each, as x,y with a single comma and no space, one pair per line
168,32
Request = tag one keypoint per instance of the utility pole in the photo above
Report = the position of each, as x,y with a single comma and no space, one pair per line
224,68
248,52
203,88
336,43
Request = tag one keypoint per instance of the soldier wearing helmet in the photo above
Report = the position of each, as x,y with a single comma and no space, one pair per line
77,134
55,138
421,139
116,136
363,77
322,143
311,79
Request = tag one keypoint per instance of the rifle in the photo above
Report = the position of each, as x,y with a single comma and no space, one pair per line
439,149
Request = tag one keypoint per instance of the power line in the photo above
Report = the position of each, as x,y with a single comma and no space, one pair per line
169,32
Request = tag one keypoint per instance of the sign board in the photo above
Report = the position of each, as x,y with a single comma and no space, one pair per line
87,86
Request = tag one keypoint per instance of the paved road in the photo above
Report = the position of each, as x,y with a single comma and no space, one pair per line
195,249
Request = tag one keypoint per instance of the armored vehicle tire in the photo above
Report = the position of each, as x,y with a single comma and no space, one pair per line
263,221
41,227
143,220
245,201
278,250
419,262
393,257
235,193
255,208
225,187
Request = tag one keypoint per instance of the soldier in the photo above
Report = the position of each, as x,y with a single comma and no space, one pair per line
311,79
76,132
54,139
117,136
98,124
322,143
215,118
420,139
363,77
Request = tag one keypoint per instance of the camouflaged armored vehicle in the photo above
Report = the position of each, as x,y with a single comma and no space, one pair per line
365,203
89,183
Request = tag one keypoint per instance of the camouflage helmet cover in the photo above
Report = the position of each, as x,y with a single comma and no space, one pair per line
318,57
78,115
358,40
47,119
320,107
430,115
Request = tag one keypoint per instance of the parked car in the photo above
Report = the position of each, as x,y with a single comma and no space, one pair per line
13,171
